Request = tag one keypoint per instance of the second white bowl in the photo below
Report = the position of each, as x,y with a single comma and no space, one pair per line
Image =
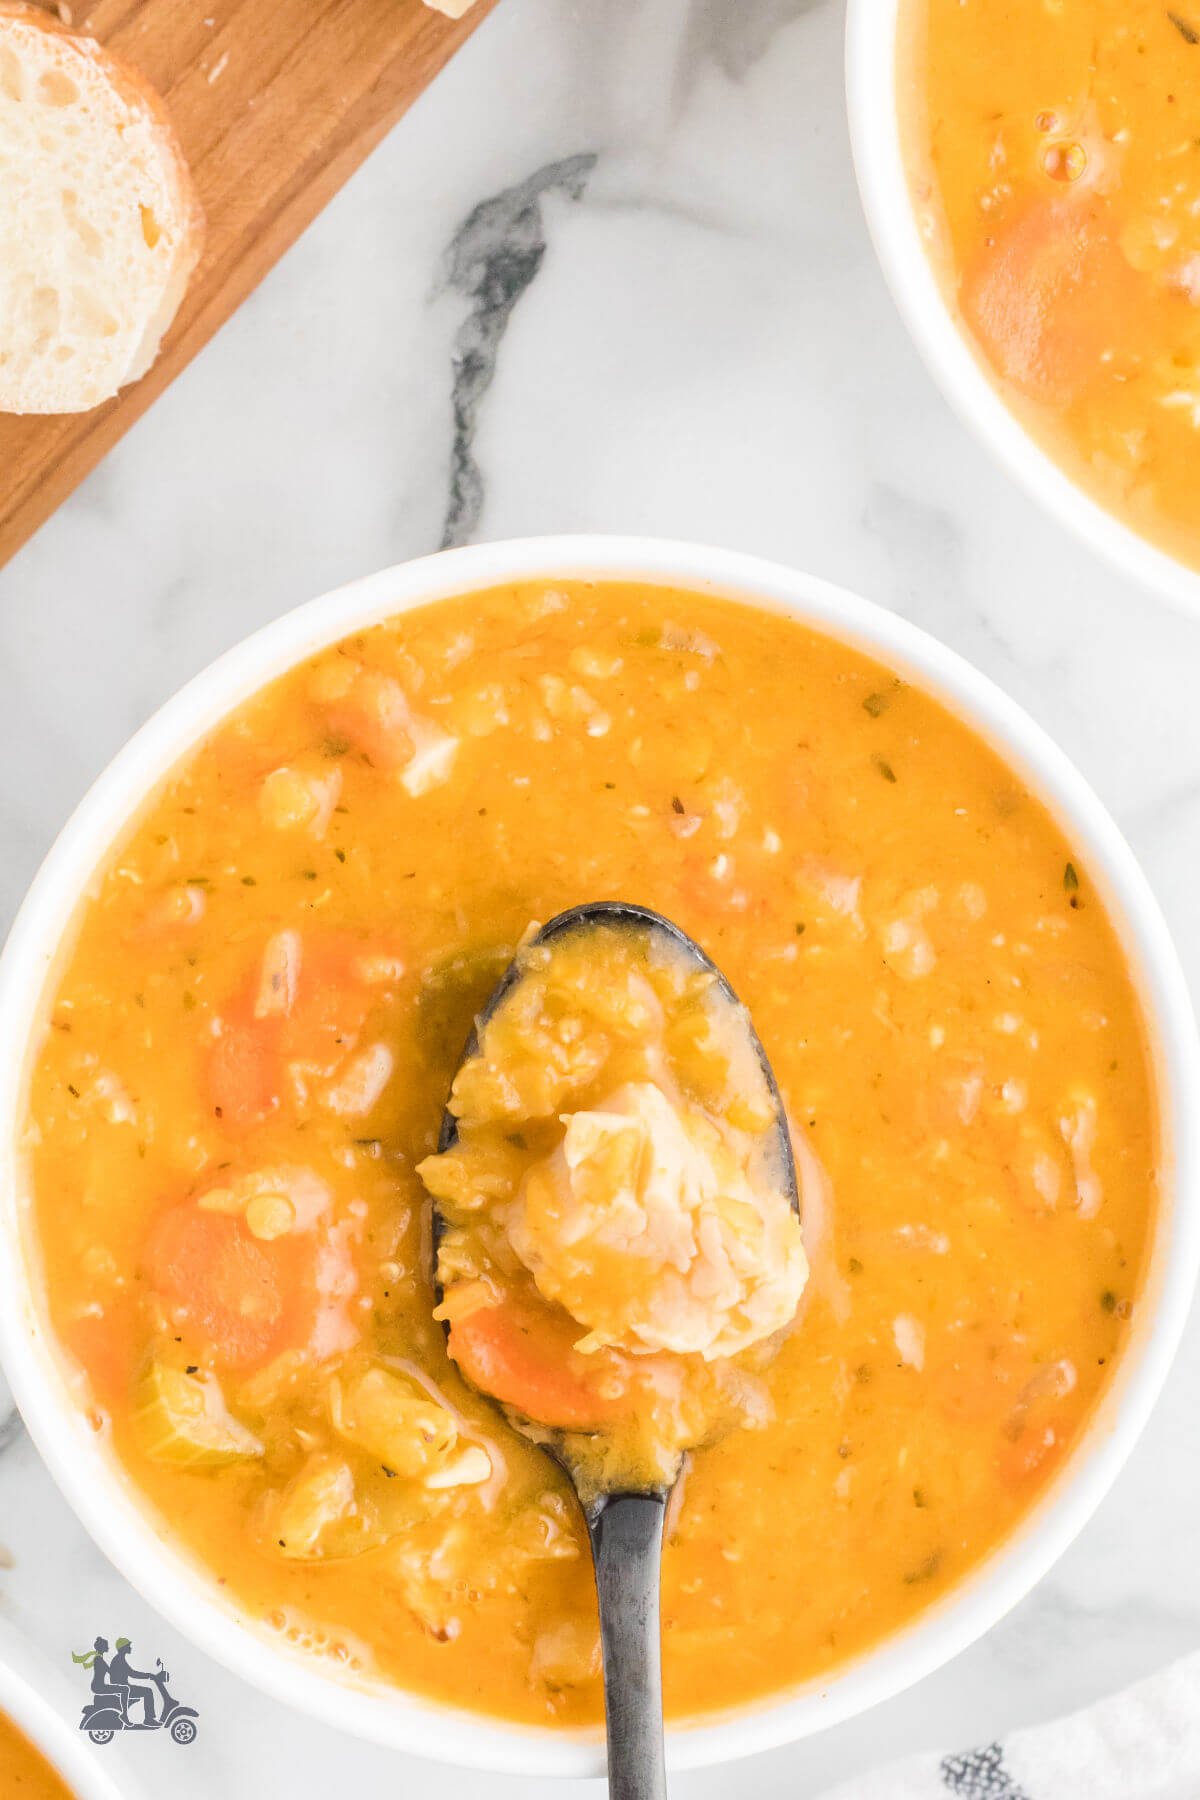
873,100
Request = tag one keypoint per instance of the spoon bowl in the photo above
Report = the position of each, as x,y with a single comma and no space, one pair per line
625,1523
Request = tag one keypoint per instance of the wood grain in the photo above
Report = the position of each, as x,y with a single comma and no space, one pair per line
276,103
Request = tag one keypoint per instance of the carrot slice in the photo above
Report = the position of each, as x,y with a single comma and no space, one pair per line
1031,1457
1050,292
244,1073
331,1006
102,1344
524,1355
373,717
246,1300
246,1065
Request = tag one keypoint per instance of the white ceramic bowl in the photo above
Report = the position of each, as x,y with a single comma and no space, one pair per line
107,1504
42,1703
872,93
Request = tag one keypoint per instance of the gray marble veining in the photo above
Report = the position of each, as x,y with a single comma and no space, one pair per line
496,253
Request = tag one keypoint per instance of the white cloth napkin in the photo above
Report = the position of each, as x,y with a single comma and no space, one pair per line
1143,1744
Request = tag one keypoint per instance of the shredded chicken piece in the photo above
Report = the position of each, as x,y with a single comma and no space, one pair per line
647,1229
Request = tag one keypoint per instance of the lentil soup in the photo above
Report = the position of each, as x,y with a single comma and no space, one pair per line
252,1040
1054,164
24,1772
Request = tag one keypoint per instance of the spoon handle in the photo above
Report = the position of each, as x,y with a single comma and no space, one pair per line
627,1532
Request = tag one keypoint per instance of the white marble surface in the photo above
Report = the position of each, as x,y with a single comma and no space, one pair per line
707,350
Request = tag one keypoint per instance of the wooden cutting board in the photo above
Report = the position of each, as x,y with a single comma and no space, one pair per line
276,102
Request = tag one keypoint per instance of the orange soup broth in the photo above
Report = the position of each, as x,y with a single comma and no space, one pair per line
24,1772
943,998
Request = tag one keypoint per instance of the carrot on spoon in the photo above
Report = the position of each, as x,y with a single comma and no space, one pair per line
524,1355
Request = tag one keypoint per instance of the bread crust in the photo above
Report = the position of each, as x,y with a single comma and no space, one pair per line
145,104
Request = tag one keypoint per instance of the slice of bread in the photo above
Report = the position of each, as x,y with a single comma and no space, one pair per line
100,228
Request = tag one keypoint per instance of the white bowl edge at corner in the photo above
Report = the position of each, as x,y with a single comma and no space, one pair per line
104,1500
40,1701
872,98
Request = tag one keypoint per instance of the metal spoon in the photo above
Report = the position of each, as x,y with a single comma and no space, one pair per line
626,1527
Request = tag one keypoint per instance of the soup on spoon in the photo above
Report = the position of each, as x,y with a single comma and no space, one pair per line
617,1244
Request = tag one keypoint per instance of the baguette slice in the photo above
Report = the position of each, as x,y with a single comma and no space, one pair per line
100,228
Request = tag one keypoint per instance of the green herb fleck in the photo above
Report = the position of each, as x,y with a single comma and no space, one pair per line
249,881
854,1265
876,704
1071,879
885,768
799,927
335,746
341,855
1187,32
924,1571
1108,1301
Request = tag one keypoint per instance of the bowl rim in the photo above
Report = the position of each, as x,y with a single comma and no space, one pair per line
873,112
39,1701
105,1500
